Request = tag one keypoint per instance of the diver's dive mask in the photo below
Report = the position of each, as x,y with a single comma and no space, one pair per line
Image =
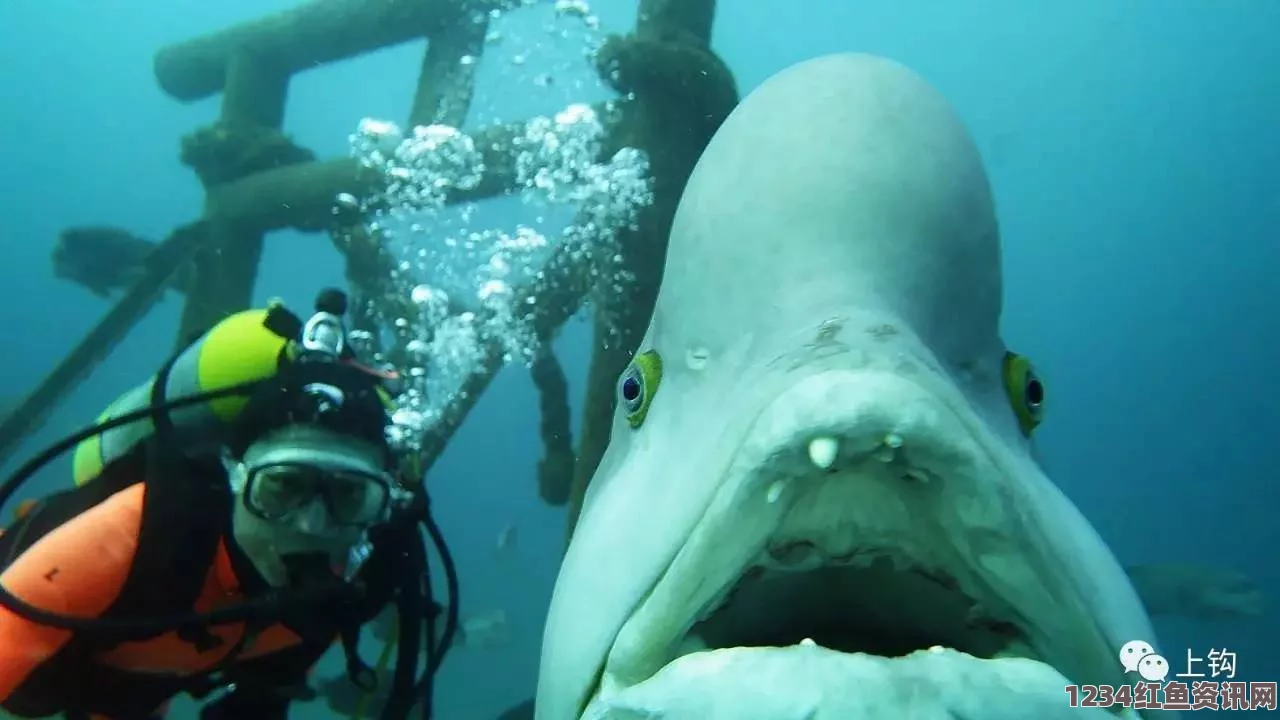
284,484
317,495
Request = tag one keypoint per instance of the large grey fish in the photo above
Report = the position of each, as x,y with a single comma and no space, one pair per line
820,475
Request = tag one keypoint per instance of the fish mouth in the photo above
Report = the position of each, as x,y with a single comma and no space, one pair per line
862,515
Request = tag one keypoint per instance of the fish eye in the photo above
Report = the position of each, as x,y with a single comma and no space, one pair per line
1026,391
1033,389
638,384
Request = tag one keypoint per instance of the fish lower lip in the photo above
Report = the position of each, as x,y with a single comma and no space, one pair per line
805,681
808,680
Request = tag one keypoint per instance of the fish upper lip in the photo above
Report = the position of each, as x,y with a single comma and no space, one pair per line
937,440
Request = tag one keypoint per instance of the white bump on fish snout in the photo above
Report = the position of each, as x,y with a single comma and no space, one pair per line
823,451
775,491
808,642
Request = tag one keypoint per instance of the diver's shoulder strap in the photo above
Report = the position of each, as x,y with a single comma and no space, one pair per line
185,515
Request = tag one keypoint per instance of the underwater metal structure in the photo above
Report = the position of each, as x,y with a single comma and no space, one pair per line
676,93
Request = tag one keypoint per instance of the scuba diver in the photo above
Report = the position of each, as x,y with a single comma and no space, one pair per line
231,518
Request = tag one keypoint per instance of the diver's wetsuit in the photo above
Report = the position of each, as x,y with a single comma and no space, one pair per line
80,568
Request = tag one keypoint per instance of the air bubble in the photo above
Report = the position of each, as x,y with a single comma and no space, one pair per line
456,293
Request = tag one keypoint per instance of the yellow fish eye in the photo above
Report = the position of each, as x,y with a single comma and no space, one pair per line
638,384
1026,391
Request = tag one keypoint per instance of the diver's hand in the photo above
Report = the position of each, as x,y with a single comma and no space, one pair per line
805,682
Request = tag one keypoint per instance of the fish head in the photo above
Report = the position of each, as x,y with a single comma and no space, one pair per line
823,435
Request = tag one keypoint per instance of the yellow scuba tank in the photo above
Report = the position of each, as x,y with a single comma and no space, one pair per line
237,350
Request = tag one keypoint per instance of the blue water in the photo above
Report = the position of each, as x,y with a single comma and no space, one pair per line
1133,149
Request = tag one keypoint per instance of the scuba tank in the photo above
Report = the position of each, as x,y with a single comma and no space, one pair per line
244,348
240,349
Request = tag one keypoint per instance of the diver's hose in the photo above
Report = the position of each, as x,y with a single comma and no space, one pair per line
436,657
425,692
409,609
31,467
379,669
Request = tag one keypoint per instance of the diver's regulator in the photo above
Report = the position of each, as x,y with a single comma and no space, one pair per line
325,335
